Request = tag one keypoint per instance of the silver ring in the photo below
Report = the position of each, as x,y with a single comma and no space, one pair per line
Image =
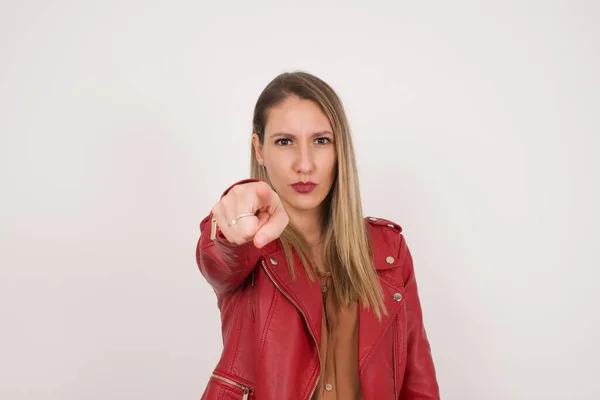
234,221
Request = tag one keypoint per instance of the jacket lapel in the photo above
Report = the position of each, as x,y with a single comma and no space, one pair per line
370,329
307,297
303,293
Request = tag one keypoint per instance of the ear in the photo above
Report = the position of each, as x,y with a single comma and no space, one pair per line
257,149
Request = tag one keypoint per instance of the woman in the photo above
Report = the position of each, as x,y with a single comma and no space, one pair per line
316,301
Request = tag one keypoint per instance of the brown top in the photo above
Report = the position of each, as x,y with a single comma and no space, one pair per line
339,347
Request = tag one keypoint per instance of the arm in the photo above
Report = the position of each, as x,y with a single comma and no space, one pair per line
420,381
223,264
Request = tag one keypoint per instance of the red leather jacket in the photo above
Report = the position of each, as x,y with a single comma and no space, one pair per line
271,324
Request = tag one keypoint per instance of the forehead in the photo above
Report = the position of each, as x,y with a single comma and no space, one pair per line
297,116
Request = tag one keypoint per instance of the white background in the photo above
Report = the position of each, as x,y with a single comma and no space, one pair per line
476,126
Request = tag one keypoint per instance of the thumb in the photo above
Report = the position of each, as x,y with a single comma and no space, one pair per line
272,228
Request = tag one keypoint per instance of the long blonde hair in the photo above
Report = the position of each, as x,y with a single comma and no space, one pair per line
348,253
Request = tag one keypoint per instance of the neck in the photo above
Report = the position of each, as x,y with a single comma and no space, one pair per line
308,224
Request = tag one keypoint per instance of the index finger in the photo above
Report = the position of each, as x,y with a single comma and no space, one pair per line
264,195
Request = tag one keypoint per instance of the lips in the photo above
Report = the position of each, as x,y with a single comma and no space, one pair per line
304,187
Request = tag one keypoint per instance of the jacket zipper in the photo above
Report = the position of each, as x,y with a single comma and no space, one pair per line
253,283
305,321
394,358
245,389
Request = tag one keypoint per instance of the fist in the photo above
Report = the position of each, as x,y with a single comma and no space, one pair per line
267,217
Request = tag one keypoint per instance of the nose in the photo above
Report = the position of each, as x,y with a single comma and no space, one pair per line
304,162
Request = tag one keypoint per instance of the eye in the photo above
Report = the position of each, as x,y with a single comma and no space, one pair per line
283,142
323,140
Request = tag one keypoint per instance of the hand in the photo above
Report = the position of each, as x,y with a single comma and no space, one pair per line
267,223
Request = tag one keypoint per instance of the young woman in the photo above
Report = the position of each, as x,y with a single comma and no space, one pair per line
316,301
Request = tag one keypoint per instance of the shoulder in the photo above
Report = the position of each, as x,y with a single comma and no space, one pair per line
384,233
387,239
382,222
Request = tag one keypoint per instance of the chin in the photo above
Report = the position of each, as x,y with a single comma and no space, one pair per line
304,203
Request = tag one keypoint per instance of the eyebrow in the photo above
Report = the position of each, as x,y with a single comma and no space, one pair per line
290,135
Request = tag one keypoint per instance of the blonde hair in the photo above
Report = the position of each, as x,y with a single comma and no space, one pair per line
348,252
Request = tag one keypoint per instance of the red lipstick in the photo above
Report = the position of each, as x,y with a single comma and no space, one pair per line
304,187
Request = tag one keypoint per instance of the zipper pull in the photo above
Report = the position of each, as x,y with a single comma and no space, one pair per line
246,394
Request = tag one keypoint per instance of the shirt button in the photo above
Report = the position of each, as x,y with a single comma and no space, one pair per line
328,387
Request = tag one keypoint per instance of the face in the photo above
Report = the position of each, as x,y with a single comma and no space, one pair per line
299,153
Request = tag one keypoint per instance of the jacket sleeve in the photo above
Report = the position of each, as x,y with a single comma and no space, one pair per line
224,265
420,382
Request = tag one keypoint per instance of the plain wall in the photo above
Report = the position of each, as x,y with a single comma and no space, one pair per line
476,126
